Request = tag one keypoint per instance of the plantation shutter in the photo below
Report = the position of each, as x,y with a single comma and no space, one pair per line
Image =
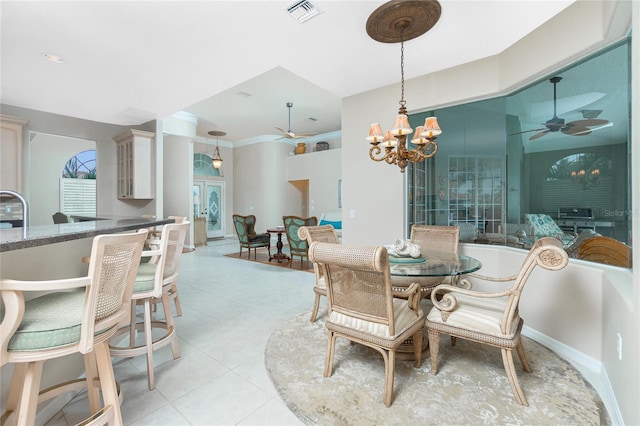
78,196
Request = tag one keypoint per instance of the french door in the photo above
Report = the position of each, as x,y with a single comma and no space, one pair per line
209,203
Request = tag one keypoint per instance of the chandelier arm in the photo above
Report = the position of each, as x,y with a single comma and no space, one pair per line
425,151
375,153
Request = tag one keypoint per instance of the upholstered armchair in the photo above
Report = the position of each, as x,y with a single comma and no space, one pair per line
297,246
245,229
491,318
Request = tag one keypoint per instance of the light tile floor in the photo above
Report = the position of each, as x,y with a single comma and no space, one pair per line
230,308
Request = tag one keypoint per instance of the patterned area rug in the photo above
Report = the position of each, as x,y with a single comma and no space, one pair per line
263,257
471,387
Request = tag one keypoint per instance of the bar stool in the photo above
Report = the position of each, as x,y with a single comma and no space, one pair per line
77,315
153,282
173,290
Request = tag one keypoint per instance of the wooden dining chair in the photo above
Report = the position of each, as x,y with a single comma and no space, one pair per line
362,306
432,238
326,234
491,318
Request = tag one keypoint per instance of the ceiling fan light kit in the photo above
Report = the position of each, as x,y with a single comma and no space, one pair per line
572,128
398,21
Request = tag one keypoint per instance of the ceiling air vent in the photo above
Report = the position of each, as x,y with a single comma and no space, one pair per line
302,11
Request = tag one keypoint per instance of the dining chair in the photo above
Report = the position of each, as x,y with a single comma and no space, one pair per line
325,234
153,282
74,316
247,236
362,306
431,238
297,246
491,318
59,217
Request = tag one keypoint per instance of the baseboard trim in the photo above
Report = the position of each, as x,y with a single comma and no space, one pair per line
589,367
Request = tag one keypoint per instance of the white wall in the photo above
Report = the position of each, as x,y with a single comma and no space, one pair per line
607,302
322,169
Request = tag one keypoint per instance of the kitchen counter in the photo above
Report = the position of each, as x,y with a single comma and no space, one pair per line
34,236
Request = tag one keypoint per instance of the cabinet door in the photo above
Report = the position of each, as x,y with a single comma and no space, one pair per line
11,153
136,171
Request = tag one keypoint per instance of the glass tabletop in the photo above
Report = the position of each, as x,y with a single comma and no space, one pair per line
436,264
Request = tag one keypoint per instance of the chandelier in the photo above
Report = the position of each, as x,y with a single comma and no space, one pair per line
393,22
217,159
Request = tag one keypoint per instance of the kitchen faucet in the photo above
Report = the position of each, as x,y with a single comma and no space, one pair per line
25,206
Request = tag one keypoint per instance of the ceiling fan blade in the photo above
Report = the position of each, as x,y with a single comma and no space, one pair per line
589,122
538,135
281,129
582,127
527,131
576,130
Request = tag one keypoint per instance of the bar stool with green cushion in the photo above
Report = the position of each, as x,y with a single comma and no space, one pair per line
173,290
245,227
76,315
153,282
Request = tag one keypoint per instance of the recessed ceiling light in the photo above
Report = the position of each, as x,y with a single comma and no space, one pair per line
54,58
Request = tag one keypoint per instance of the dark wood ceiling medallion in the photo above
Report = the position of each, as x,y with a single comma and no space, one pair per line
402,20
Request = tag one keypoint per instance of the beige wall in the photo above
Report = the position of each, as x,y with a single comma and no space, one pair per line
585,306
261,185
322,170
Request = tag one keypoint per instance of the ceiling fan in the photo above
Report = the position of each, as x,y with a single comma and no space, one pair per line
572,128
288,133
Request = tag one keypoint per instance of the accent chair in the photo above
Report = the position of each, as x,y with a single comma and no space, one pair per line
245,227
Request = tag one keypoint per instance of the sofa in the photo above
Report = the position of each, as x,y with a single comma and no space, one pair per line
334,219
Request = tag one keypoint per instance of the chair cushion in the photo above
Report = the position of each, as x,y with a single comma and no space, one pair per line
259,238
477,314
335,224
321,284
146,278
544,225
404,317
49,321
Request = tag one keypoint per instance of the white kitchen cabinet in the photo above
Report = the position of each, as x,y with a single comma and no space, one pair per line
136,168
11,152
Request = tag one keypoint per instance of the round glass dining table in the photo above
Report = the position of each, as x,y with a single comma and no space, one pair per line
434,264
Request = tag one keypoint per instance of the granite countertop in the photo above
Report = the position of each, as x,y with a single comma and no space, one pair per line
33,236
